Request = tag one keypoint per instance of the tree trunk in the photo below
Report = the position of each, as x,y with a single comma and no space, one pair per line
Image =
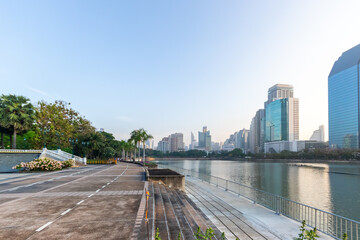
139,151
2,140
143,152
10,140
14,139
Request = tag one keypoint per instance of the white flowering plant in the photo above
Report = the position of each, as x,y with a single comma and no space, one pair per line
45,164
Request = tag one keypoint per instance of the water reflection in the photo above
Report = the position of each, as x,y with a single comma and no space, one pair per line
310,184
330,187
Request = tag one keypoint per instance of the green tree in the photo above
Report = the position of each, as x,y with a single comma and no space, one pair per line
57,123
144,136
17,114
135,138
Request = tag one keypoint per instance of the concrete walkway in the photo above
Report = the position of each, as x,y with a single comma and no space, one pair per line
239,217
93,202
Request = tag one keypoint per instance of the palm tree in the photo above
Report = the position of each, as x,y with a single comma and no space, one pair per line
129,146
4,124
18,113
135,137
144,136
122,147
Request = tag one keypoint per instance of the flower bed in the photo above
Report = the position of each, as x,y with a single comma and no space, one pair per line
45,164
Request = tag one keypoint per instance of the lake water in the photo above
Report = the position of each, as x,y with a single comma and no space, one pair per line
331,187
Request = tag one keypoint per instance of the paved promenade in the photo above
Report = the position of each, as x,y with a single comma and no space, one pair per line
93,202
239,217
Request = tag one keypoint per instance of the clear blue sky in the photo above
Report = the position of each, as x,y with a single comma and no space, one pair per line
174,66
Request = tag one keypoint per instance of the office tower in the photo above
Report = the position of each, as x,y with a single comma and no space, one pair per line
280,91
163,145
256,133
205,139
318,135
193,142
343,94
230,143
243,140
215,146
281,114
176,142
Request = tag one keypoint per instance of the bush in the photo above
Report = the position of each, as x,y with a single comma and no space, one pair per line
68,163
45,164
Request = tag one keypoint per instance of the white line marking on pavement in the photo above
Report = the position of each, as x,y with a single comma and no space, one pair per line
108,183
98,190
91,195
66,212
103,186
80,202
43,226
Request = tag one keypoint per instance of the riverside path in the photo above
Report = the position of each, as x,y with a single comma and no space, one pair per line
92,202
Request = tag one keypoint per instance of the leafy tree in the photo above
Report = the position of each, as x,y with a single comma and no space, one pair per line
135,138
57,123
17,114
144,136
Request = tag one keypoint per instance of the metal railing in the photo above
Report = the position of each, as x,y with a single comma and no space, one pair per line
61,155
326,222
19,151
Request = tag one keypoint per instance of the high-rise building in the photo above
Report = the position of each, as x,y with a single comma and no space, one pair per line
193,143
230,143
318,135
281,114
176,142
215,146
243,140
163,145
344,113
205,139
256,133
280,91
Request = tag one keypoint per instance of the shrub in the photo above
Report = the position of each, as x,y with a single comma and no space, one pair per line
68,163
45,164
306,234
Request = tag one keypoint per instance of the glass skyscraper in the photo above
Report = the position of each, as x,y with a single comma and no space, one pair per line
277,124
281,114
343,87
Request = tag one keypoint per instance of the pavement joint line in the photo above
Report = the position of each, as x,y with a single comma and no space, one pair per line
65,212
44,191
29,185
43,226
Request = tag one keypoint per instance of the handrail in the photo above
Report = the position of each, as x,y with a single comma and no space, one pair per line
329,223
19,151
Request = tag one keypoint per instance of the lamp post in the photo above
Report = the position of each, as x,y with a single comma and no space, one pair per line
73,141
85,144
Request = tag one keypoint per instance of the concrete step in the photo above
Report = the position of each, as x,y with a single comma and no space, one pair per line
175,213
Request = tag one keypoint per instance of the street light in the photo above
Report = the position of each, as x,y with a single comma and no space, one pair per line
73,141
85,144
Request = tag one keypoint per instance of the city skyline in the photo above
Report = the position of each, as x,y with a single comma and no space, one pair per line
174,67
